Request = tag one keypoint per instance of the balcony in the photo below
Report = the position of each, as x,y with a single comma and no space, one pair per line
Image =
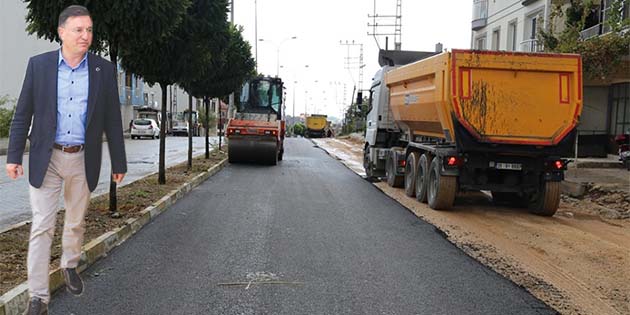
591,32
480,14
531,45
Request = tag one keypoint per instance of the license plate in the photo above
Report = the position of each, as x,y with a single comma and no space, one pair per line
508,166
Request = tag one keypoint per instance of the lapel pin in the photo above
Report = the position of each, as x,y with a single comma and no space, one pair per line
98,69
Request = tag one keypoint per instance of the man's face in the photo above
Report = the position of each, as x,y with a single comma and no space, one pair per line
76,35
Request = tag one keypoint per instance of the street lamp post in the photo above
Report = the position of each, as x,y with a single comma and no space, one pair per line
278,51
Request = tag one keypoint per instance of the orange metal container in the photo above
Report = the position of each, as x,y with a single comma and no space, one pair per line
499,97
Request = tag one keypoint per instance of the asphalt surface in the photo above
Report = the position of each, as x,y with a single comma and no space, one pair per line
142,160
331,241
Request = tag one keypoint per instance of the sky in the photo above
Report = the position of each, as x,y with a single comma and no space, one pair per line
313,66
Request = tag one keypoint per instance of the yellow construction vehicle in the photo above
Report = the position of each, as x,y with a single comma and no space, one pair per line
315,126
475,120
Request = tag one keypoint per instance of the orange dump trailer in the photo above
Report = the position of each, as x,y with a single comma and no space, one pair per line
476,120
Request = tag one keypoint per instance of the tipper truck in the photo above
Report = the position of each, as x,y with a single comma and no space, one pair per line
316,126
257,131
470,120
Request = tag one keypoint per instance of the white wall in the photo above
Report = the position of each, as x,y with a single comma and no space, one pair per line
180,95
501,13
16,46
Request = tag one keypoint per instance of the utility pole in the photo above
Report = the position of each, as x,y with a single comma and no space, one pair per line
294,89
256,32
385,21
350,64
231,97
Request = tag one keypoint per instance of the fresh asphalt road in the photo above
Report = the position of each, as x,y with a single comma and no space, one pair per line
331,241
142,160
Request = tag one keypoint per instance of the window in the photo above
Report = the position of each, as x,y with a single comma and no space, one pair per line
620,108
496,37
480,43
533,24
533,28
511,36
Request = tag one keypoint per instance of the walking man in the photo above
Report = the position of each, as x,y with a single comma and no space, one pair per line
71,97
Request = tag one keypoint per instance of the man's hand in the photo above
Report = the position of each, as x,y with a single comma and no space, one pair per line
118,177
14,170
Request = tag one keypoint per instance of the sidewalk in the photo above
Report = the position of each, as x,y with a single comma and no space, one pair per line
607,174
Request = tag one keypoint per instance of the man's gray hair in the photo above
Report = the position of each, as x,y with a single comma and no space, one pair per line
73,10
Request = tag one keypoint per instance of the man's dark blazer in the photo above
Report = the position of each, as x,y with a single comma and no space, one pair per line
38,101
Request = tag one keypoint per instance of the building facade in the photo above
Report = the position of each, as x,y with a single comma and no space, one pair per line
514,25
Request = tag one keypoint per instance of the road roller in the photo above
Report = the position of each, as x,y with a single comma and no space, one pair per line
256,133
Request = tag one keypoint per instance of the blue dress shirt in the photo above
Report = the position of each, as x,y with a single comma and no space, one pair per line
72,98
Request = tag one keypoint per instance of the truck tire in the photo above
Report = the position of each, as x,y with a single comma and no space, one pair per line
410,173
369,174
422,177
546,201
441,189
390,173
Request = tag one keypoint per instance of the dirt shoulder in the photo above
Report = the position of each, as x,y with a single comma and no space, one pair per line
132,199
577,261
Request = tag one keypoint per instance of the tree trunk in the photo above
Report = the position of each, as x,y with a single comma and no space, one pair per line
190,132
113,199
161,170
206,101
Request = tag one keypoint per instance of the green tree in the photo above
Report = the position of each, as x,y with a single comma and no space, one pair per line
299,129
601,55
116,22
166,61
226,72
6,115
205,35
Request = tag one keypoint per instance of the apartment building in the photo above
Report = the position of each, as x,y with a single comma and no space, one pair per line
513,25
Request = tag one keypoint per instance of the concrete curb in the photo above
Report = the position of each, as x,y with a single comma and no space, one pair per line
573,189
15,301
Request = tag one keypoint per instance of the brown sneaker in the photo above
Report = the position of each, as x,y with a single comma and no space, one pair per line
36,307
74,284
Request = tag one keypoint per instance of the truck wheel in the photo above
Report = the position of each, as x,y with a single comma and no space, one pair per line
441,189
390,169
422,177
410,174
369,174
546,201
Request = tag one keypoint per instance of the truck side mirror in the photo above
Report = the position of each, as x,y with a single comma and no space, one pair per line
359,98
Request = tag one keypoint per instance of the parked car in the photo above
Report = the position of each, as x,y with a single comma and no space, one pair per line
145,127
180,128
